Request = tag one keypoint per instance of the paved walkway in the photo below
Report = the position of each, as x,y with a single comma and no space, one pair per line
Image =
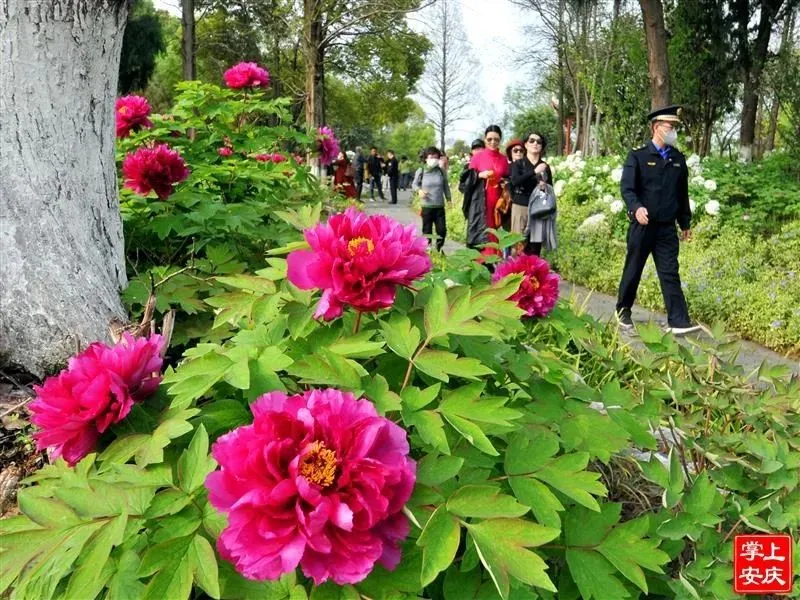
599,305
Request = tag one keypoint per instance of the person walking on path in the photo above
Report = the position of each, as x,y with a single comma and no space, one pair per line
375,167
492,168
655,188
393,174
359,162
343,176
430,182
526,174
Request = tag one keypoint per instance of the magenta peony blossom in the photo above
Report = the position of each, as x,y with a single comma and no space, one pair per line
224,151
132,113
358,259
319,480
154,169
327,145
246,74
538,291
97,389
275,157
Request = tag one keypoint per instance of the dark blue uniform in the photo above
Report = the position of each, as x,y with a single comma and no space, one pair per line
661,185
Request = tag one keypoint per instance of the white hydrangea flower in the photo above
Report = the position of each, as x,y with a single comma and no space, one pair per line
617,206
608,198
559,186
592,180
593,222
616,175
712,207
692,205
697,180
606,168
693,160
597,188
710,185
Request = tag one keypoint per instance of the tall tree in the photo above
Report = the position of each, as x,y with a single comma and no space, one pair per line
657,56
188,45
752,54
448,85
61,242
329,23
142,42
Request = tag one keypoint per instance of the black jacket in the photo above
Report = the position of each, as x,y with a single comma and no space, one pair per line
524,179
662,187
391,168
374,166
474,207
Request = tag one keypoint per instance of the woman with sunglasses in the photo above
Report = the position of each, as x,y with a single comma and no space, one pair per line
526,174
492,168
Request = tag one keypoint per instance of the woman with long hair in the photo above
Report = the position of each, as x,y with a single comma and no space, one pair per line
492,168
526,174
344,176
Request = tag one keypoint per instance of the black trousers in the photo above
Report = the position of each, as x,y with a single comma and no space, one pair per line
375,182
393,180
434,216
359,185
660,240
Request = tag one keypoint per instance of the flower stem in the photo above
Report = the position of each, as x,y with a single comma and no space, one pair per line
358,322
411,363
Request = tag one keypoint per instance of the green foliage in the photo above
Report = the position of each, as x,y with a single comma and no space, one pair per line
542,118
142,42
524,432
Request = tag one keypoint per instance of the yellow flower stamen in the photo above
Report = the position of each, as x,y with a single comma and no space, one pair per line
319,465
534,282
354,245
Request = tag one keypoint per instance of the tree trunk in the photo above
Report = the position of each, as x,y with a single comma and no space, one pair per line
787,44
314,55
61,242
657,58
751,79
188,46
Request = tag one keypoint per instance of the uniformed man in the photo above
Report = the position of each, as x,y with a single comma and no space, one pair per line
655,187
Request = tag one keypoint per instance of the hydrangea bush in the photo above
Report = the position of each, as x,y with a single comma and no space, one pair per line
442,435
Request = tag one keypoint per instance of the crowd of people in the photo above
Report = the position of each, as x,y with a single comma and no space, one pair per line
497,188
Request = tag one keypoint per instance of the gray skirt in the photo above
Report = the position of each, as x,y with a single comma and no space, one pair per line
543,231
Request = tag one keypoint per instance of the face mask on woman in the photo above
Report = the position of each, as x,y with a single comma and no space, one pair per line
432,162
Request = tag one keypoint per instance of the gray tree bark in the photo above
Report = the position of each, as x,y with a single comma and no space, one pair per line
61,249
657,56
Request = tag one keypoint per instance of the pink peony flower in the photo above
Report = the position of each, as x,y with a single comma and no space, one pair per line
538,291
319,480
224,151
275,157
327,145
132,113
154,169
246,74
358,259
97,389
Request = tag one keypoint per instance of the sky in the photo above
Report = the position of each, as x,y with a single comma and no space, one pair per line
495,29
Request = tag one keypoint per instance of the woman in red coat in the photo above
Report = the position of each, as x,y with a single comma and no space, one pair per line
344,177
492,166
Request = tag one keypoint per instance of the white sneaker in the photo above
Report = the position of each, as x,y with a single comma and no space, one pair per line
683,330
372,199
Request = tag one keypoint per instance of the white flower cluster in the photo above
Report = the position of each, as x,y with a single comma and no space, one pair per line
608,199
710,185
692,205
712,208
617,206
616,175
559,186
592,223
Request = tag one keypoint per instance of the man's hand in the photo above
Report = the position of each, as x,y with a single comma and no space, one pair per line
686,235
641,215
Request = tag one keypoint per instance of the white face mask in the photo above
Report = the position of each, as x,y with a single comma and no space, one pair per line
432,162
670,137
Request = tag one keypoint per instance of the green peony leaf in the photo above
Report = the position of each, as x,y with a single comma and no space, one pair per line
484,502
626,549
594,576
441,364
473,434
439,541
543,502
401,336
331,591
430,427
195,463
435,469
203,562
502,545
567,475
86,581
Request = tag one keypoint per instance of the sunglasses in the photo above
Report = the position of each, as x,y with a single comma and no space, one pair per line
517,151
535,141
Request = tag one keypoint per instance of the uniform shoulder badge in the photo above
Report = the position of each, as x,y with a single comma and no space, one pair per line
640,148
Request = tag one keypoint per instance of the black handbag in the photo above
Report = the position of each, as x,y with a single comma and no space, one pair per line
542,202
